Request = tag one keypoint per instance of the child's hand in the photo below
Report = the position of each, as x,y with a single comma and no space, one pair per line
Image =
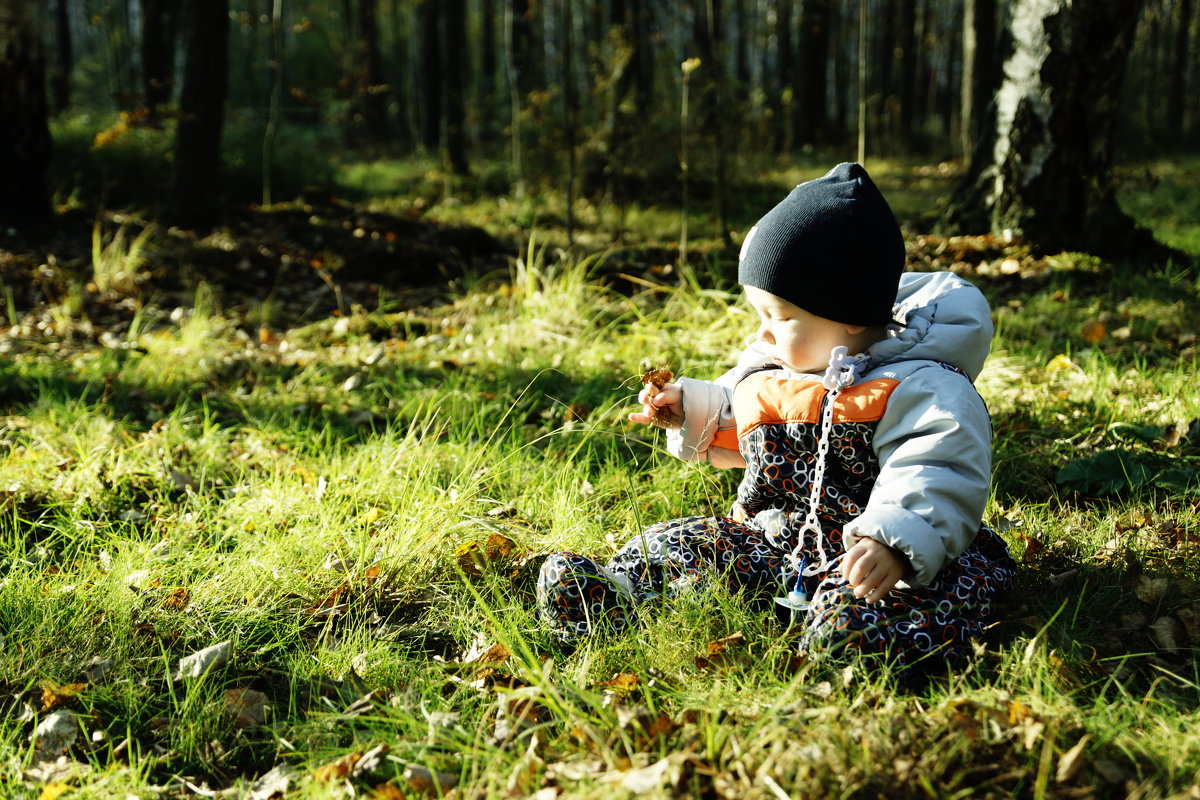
872,569
662,407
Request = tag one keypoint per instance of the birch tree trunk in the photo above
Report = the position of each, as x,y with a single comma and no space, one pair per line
1043,167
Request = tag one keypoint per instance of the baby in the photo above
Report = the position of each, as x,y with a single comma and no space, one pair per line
866,449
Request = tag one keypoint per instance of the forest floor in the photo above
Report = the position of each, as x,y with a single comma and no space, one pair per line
271,498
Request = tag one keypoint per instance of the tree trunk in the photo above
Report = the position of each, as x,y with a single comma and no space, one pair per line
1177,93
907,79
455,32
487,68
64,61
1043,168
431,74
158,50
979,76
814,71
524,53
372,87
785,76
194,176
24,133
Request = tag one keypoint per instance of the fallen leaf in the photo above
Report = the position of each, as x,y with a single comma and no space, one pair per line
1094,331
248,707
516,712
427,781
717,652
372,761
1150,590
54,790
475,556
97,668
55,695
177,599
202,661
622,685
337,769
649,778
1166,633
55,734
273,784
1071,761
58,769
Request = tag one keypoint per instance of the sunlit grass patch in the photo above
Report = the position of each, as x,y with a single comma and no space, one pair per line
359,507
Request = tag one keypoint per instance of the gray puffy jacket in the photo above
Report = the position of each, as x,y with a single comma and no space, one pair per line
933,441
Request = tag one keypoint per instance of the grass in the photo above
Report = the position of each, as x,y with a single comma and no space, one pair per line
357,506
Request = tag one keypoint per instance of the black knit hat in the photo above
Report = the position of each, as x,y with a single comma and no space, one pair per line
832,247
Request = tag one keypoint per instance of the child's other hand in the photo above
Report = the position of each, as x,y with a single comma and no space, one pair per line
660,407
872,569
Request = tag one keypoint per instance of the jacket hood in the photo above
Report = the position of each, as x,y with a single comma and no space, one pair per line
944,318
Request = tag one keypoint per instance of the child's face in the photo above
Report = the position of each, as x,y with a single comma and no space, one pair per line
796,339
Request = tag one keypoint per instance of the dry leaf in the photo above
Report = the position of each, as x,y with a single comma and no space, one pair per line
428,781
247,706
1166,633
337,769
518,711
717,651
474,556
54,790
1071,761
202,661
1150,590
55,695
1094,331
656,379
55,734
622,685
177,599
97,668
274,784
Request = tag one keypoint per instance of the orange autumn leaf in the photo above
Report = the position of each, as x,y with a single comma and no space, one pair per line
337,769
622,685
1094,331
55,695
177,599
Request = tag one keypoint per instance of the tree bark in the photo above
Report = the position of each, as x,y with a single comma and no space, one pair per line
785,76
1177,93
1043,170
373,88
455,32
431,74
158,50
979,76
194,176
814,71
488,67
64,60
24,133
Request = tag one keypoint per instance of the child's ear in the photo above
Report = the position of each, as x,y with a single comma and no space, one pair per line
855,330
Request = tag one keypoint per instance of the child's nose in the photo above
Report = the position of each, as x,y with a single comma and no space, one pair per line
764,333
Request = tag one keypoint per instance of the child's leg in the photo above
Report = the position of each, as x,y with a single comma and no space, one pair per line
576,596
670,555
923,627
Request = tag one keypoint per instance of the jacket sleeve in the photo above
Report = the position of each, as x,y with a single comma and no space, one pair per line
934,445
709,430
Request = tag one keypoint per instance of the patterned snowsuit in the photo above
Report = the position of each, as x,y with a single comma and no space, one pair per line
908,464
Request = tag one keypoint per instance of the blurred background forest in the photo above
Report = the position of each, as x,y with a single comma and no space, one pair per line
193,111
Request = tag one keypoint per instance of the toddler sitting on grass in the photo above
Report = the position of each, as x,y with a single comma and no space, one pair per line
866,449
